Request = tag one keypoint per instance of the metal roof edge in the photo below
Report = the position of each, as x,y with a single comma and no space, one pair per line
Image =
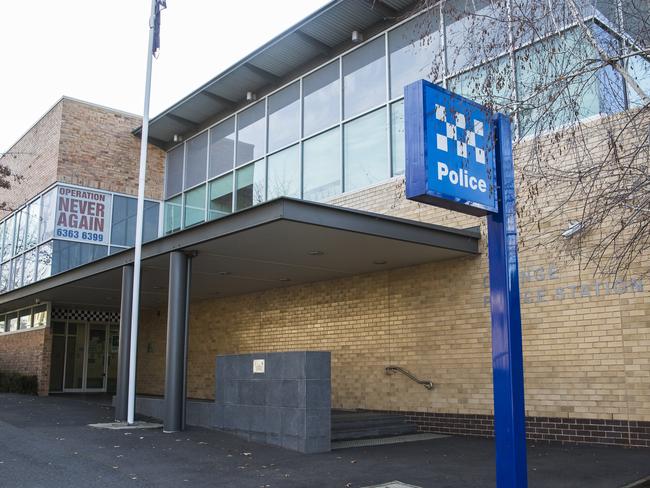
312,213
242,62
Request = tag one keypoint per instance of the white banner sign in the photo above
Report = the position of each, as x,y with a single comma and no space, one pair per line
83,215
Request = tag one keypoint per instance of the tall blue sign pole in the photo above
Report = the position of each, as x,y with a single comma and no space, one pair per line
459,157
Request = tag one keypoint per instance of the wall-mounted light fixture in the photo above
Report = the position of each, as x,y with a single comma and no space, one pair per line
250,96
573,229
357,37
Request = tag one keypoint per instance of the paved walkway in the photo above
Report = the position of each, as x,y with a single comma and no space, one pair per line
45,442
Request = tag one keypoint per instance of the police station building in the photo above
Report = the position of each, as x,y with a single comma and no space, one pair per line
290,292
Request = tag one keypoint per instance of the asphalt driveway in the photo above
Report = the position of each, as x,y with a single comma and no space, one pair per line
45,442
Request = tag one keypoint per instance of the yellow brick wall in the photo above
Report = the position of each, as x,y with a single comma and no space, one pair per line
586,339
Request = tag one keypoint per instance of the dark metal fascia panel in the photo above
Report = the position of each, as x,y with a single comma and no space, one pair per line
380,226
462,240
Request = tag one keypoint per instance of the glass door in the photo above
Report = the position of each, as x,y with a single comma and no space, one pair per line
96,358
75,354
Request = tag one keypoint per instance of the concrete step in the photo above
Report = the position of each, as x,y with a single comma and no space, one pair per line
350,425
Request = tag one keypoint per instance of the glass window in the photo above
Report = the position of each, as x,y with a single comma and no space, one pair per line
2,323
415,52
322,166
475,31
17,272
490,84
67,255
25,319
151,219
194,206
40,316
364,78
173,209
321,103
196,160
8,243
33,220
124,220
21,227
284,173
250,185
365,150
174,171
5,274
2,233
222,147
220,197
549,99
12,321
44,267
284,117
29,272
398,141
251,133
534,19
48,207
639,69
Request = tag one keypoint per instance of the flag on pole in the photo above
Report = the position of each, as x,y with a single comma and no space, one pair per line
160,6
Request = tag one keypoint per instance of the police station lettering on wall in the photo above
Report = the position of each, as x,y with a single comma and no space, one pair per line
82,215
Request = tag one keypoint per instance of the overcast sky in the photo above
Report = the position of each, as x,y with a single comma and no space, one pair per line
95,50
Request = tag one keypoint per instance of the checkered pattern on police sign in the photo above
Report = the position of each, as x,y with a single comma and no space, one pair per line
452,131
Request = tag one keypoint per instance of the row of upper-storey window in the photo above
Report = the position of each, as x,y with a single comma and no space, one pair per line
35,317
340,127
35,243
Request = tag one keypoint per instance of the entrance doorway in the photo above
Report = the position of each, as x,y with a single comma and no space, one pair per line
84,357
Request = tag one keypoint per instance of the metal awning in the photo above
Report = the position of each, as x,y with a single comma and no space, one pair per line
321,35
281,243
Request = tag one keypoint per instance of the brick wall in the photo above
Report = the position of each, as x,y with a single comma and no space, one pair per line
33,161
28,353
97,150
586,339
83,144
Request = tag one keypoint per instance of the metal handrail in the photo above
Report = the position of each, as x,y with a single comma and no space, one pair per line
428,384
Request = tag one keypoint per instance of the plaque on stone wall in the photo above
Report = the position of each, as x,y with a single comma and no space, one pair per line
258,366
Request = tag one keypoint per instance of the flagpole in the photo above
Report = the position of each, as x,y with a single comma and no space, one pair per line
135,305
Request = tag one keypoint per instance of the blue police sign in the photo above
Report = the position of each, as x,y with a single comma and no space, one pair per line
450,150
459,156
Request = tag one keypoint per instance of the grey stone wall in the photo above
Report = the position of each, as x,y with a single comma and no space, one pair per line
287,405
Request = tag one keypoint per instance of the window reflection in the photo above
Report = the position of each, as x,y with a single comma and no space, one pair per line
398,156
222,147
196,160
174,171
220,197
284,173
251,130
173,209
284,117
322,166
321,99
365,150
415,52
364,78
194,211
250,185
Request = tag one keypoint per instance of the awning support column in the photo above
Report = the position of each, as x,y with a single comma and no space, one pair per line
122,393
179,270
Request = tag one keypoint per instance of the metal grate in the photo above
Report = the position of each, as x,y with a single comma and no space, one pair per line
399,439
393,484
